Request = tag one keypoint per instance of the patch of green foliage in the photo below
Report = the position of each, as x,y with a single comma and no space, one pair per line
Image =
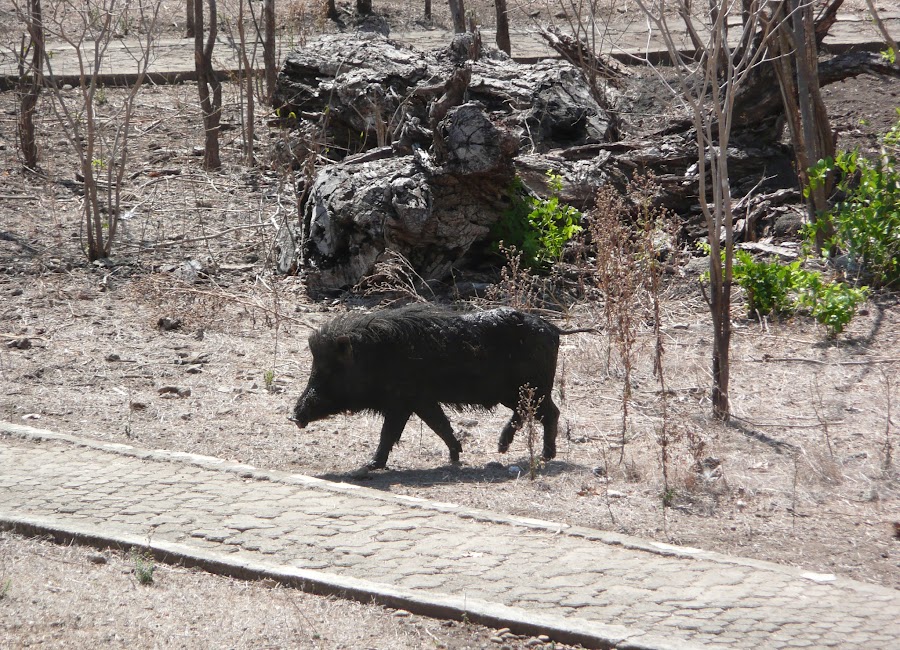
783,289
866,221
832,304
766,284
143,566
539,228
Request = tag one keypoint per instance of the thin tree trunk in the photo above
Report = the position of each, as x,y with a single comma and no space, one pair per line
269,60
879,23
503,41
796,68
210,104
249,115
458,13
189,23
34,75
331,10
428,10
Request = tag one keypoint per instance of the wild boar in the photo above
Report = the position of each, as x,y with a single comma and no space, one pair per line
411,360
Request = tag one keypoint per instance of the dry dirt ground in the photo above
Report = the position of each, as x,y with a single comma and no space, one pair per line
806,474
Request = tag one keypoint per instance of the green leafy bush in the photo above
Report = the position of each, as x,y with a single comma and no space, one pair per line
767,284
539,228
866,222
832,304
783,289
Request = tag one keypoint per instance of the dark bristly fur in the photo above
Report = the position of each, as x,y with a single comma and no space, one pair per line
412,360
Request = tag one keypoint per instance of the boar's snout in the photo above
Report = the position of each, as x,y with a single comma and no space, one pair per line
303,409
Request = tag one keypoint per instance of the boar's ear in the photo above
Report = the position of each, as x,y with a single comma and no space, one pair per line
344,349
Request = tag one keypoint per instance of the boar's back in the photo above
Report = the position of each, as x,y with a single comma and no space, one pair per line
423,353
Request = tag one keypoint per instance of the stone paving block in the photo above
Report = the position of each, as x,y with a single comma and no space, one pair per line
577,582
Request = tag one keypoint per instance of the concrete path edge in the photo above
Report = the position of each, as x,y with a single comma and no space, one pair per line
587,634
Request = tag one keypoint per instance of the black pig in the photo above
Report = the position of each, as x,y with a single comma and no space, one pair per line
413,359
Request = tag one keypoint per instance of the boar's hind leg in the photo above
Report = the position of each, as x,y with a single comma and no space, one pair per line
394,421
509,432
433,415
549,416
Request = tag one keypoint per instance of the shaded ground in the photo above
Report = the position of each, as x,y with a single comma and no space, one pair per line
801,478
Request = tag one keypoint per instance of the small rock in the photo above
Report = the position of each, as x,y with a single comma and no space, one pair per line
19,344
113,357
96,558
137,406
493,465
599,470
401,613
514,470
543,638
496,639
167,323
174,391
532,642
189,271
615,494
16,292
195,369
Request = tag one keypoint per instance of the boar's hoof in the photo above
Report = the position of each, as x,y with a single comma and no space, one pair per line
503,447
549,453
362,472
454,456
375,463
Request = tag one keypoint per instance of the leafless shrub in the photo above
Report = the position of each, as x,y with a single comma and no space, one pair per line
97,128
527,409
517,288
304,17
628,272
394,275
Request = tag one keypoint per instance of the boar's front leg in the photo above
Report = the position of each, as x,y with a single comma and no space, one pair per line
433,415
394,421
509,432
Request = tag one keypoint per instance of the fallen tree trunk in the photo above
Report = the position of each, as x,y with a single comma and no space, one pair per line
426,147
